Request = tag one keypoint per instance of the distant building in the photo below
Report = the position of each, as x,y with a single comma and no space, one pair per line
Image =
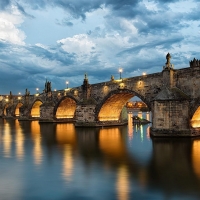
137,105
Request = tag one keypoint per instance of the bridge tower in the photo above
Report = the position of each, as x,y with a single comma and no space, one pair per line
170,107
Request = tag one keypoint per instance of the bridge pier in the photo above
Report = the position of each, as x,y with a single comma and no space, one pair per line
47,112
171,119
24,113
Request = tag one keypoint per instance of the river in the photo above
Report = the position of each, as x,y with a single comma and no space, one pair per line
59,161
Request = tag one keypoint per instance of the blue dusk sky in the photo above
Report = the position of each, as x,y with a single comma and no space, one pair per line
61,40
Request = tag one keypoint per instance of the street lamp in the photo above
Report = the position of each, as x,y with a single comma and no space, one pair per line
37,89
67,82
19,97
120,73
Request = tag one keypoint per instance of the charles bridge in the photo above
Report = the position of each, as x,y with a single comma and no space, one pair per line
172,95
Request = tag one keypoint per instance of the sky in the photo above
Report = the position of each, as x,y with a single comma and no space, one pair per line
61,40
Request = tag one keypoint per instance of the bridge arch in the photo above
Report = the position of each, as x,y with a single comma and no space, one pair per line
4,110
194,113
195,121
16,111
35,108
111,106
65,108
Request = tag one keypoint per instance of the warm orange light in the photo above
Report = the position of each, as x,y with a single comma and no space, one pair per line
17,109
111,109
111,143
123,184
36,136
196,157
35,111
66,109
195,122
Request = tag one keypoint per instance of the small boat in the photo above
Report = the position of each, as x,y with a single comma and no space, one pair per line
138,120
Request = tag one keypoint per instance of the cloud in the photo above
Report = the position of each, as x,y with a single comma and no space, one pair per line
4,4
9,23
64,22
80,45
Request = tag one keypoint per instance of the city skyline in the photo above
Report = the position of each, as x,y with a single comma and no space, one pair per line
61,41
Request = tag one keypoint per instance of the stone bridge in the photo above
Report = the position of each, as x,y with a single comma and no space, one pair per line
172,95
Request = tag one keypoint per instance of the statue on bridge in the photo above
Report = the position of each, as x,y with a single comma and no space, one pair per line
10,98
48,91
194,63
47,87
168,65
27,94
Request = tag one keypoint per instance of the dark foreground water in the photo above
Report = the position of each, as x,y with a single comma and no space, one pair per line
59,161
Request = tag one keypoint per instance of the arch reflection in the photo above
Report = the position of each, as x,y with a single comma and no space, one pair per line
66,136
19,141
110,142
196,157
7,138
36,136
123,184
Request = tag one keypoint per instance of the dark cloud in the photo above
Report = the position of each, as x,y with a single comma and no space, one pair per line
4,4
167,1
21,9
193,15
64,22
165,43
79,8
38,4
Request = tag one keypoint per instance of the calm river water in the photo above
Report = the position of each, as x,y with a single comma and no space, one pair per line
59,161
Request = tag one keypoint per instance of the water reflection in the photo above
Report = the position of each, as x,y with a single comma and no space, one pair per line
111,142
196,157
36,137
66,136
68,163
7,140
171,167
123,184
113,163
19,140
130,126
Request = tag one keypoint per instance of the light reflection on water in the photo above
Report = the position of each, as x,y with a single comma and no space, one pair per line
59,161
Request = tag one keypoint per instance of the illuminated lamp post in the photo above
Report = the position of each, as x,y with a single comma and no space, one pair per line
19,97
67,82
37,89
120,73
